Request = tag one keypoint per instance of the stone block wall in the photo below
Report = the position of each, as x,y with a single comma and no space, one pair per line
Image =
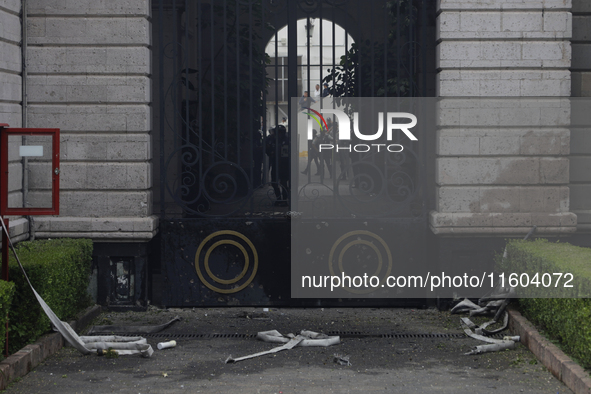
11,100
580,160
502,165
89,75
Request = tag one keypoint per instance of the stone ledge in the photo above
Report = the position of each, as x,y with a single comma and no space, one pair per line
561,366
103,229
499,231
66,224
502,219
22,362
101,237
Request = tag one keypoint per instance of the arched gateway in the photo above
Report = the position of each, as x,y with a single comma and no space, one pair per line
225,137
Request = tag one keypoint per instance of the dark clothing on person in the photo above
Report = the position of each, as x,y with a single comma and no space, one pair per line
257,158
326,155
312,155
277,149
306,102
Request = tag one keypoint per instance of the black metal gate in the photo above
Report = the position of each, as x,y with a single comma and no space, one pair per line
224,72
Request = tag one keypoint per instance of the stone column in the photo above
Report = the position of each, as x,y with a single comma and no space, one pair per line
502,165
10,63
89,75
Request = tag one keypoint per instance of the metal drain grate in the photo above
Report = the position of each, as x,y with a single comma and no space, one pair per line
442,336
186,335
409,336
232,336
350,334
342,334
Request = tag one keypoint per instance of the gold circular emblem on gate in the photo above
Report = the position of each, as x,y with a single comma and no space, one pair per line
358,241
232,242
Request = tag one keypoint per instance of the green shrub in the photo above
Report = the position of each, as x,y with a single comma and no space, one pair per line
567,320
566,317
59,270
6,292
541,257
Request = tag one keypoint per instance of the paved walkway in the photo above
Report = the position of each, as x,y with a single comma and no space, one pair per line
401,362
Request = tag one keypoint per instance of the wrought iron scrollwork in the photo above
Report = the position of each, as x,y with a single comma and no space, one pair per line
387,189
221,183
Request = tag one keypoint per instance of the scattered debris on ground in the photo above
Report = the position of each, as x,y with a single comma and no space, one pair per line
494,304
305,339
342,360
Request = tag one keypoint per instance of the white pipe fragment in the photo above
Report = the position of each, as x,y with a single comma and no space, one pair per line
493,347
166,345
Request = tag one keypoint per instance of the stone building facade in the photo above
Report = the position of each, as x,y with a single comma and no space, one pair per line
88,72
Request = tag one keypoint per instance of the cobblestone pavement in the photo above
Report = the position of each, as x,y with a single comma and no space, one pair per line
403,351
